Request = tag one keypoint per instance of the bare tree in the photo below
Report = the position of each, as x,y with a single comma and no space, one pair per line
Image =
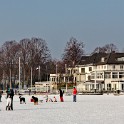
73,52
108,48
33,53
39,55
9,50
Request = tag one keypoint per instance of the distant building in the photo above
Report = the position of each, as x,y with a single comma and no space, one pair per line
100,71
42,86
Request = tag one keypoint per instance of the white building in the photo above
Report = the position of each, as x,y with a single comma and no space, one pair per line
42,86
101,71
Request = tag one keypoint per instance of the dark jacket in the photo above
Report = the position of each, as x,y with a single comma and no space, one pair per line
11,93
61,93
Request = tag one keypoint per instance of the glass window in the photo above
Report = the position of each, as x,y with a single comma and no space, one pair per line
115,87
114,75
121,74
92,76
107,74
121,66
99,75
122,86
113,66
108,86
104,66
90,68
82,70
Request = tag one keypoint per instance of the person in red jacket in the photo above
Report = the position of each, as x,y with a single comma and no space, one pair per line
74,94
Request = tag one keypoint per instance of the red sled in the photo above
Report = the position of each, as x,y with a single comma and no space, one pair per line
32,100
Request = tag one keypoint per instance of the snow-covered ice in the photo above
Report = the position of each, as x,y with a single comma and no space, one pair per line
89,109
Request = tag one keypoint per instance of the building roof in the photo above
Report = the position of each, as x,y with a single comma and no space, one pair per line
103,58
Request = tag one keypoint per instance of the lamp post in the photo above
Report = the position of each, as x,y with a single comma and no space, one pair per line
68,77
3,80
56,77
31,78
38,68
19,74
39,73
10,79
95,82
10,70
47,77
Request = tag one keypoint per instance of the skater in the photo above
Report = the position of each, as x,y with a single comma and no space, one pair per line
54,99
74,94
61,95
8,104
0,96
10,94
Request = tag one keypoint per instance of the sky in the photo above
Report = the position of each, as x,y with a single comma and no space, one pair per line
93,22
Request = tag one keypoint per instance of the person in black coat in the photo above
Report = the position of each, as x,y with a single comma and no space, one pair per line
61,95
11,96
0,96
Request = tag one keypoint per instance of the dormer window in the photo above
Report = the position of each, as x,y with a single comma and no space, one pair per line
102,59
120,59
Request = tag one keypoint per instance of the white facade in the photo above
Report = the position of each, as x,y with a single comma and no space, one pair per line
111,75
42,86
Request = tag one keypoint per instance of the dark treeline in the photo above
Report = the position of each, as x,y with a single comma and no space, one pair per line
34,53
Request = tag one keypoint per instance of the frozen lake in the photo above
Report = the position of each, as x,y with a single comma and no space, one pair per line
89,109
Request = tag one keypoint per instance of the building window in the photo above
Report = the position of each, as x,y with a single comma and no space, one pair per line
101,66
122,85
121,66
92,76
90,68
108,86
82,70
99,75
104,66
121,74
115,86
107,74
113,67
114,75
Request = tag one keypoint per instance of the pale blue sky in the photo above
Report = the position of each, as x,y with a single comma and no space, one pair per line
95,22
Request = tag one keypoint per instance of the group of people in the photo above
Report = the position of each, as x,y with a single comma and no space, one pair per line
10,94
50,99
74,94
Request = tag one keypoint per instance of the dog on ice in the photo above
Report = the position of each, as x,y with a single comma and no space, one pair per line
22,100
9,102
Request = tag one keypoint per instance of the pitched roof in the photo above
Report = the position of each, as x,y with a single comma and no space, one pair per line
103,58
116,58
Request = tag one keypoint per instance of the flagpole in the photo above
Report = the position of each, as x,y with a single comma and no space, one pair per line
56,77
19,74
31,78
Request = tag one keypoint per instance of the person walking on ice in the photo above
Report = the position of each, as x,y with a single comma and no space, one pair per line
74,94
61,95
